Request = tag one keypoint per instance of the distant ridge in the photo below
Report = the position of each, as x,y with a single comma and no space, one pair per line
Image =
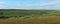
14,9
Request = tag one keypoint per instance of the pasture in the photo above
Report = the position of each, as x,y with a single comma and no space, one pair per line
31,17
41,20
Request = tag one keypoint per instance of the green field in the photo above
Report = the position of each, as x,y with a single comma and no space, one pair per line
31,17
31,13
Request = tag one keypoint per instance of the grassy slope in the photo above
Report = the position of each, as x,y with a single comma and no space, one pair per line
30,13
52,19
41,20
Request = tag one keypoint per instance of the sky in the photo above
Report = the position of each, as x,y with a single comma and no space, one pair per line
30,4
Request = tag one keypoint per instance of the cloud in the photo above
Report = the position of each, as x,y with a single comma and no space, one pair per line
27,6
55,4
51,4
3,5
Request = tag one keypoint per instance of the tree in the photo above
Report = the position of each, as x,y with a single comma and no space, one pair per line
43,12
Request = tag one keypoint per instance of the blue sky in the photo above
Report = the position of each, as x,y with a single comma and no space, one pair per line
30,4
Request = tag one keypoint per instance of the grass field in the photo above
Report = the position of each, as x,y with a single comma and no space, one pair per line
40,20
31,17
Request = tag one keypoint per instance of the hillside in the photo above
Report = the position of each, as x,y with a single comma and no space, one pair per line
30,13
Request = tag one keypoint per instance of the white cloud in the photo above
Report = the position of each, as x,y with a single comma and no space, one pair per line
3,5
55,4
27,6
51,4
